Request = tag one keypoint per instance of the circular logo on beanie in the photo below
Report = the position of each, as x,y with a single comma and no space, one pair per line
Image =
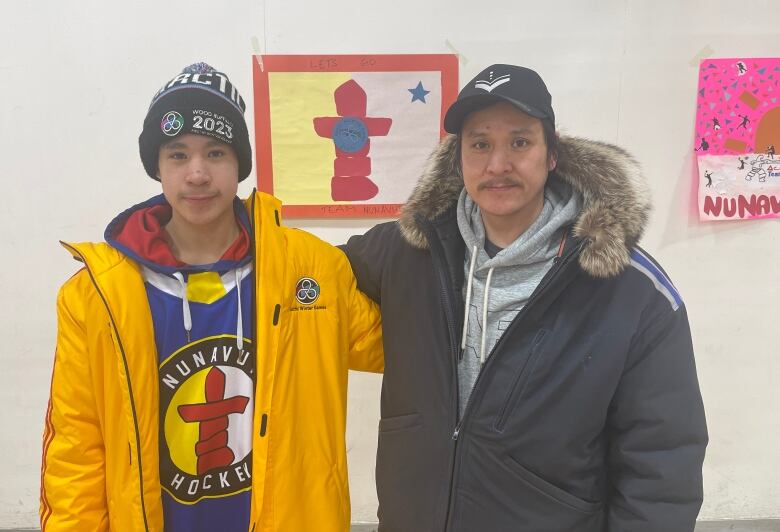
307,291
350,134
171,123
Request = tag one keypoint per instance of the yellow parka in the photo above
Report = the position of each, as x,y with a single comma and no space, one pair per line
100,466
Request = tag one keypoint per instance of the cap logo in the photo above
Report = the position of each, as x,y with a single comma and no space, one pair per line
171,123
490,84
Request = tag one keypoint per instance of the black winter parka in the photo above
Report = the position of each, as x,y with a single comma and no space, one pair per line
587,415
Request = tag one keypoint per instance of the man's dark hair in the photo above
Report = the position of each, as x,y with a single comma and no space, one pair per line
550,139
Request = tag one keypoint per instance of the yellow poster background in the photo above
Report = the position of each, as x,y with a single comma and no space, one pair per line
302,160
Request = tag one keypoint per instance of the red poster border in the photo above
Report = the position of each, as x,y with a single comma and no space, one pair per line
447,64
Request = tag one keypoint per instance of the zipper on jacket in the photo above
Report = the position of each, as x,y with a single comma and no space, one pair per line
438,255
255,297
255,261
455,347
557,268
449,307
127,374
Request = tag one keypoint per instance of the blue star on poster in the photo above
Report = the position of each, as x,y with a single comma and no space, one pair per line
418,93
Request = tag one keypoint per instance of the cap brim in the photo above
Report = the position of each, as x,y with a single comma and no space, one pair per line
457,113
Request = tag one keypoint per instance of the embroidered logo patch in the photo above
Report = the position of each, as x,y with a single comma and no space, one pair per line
307,290
171,123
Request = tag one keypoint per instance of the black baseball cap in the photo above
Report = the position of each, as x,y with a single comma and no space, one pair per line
520,86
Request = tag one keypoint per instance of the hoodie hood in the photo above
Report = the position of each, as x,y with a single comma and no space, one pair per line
615,199
497,288
138,233
538,244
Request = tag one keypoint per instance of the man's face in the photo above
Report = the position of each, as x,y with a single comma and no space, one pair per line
505,164
199,177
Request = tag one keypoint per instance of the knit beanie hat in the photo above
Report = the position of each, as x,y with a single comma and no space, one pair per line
202,101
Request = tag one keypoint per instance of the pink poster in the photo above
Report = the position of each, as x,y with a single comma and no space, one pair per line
737,132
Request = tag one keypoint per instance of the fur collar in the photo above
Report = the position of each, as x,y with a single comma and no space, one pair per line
616,201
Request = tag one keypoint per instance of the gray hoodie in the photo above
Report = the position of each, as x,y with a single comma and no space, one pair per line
497,288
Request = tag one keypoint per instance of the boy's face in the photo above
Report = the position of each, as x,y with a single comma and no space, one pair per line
199,177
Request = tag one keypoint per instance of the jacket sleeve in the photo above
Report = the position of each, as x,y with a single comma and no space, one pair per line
73,491
365,350
658,433
368,254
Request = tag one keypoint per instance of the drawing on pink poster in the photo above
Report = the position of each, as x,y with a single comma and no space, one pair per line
737,133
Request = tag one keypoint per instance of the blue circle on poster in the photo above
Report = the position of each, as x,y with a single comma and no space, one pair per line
350,134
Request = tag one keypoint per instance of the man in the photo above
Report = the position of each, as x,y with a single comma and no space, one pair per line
539,373
200,376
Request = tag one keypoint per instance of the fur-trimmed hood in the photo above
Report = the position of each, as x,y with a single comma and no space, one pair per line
616,201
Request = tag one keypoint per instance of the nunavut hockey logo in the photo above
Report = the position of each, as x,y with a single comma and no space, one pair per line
206,392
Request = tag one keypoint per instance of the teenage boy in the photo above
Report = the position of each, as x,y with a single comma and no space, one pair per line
200,375
539,374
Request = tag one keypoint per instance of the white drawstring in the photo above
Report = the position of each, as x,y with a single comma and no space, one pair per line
484,316
239,321
469,282
185,305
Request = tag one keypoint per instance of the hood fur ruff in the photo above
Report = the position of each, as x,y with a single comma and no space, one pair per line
616,200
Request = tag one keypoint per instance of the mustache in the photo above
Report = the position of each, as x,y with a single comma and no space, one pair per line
498,182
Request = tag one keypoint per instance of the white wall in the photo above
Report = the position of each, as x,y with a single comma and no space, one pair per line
76,78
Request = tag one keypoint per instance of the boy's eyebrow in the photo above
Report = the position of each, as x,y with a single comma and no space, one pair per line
174,146
181,145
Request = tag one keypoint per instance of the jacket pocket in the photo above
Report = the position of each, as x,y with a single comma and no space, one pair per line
521,379
402,422
549,490
408,474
